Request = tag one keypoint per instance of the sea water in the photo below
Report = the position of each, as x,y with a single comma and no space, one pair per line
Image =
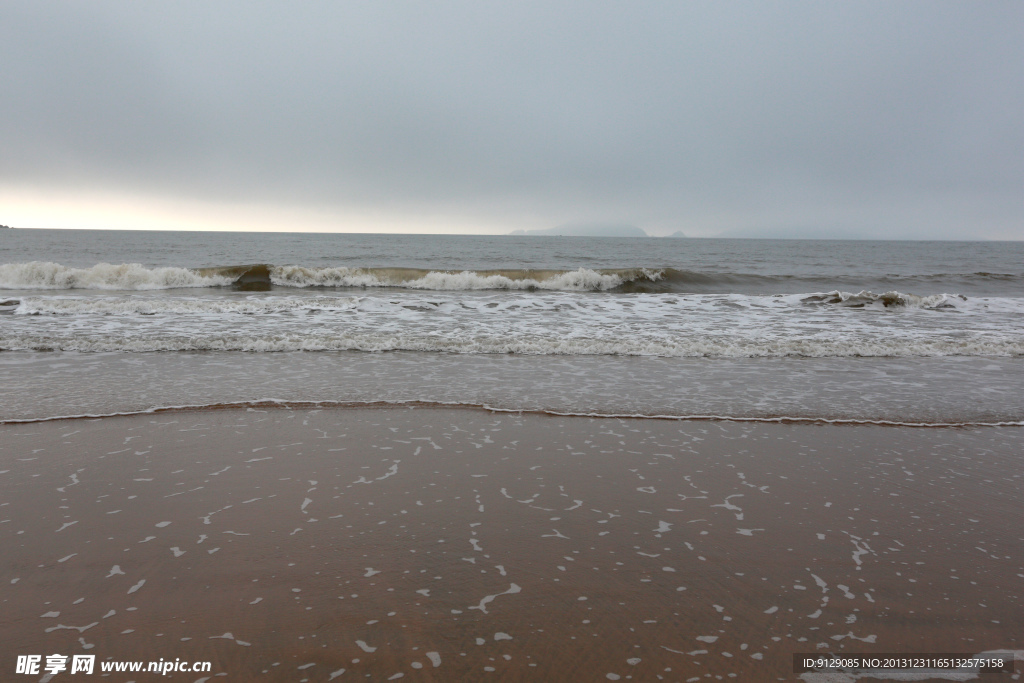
103,322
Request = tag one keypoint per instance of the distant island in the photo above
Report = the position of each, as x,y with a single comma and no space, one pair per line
677,233
5,226
587,230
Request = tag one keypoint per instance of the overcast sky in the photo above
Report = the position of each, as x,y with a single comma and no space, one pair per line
894,119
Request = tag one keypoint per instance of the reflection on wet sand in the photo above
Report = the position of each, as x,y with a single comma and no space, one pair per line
450,544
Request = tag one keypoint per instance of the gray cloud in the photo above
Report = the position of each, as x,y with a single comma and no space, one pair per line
870,118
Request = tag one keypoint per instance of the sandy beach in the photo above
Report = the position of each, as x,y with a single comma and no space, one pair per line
456,544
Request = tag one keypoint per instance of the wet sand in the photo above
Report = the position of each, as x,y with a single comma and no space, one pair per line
454,544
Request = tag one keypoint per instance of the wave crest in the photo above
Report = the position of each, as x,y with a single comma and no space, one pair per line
888,300
134,276
582,279
38,275
124,276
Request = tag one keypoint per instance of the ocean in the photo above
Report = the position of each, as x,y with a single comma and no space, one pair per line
114,322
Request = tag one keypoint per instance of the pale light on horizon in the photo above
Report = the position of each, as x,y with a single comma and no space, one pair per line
34,208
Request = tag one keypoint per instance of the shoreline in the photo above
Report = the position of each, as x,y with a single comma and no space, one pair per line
952,391
284,404
523,546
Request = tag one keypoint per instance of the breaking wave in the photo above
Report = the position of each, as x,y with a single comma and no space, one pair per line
582,279
133,276
887,300
125,276
39,275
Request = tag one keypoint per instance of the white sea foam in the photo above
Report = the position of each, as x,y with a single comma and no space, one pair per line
887,300
651,307
133,276
701,347
149,305
582,279
538,323
125,276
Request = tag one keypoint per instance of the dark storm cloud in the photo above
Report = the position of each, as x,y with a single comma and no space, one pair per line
867,116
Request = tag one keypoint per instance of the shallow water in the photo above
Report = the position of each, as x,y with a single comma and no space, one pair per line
958,390
105,322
